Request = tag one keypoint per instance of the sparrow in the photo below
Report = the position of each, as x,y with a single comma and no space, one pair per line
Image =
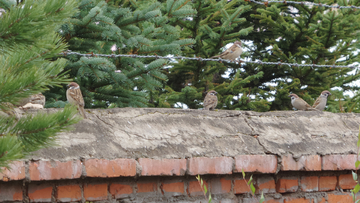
299,103
74,96
210,100
231,53
320,102
33,99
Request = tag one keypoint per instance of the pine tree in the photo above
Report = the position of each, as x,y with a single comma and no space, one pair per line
29,44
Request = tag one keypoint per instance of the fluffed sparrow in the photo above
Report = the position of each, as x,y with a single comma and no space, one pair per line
74,96
33,99
210,100
320,102
299,103
231,53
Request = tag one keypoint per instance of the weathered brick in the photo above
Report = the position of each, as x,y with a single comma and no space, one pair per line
16,172
194,188
40,192
173,188
273,200
265,184
296,200
162,167
256,163
267,200
204,165
309,183
220,186
146,187
110,168
321,200
346,182
54,170
339,198
327,183
338,162
121,190
11,191
307,163
68,193
287,184
95,191
240,186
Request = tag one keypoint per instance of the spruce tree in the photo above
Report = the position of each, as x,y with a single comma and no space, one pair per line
29,47
121,27
272,32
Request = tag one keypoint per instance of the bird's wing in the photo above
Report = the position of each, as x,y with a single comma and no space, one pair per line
317,102
77,96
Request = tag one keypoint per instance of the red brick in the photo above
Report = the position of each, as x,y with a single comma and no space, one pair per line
68,193
327,183
240,186
162,167
322,200
265,185
110,168
256,163
16,172
95,191
11,191
307,163
173,188
220,186
120,190
338,162
287,184
343,198
309,183
194,188
297,200
346,182
40,192
204,165
147,187
55,170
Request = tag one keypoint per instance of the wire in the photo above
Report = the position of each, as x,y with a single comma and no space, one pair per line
304,3
69,52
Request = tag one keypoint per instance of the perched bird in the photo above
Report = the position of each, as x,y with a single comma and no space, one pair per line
231,53
320,102
299,103
210,100
74,96
33,99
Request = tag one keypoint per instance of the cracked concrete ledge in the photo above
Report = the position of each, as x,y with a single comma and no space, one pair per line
174,133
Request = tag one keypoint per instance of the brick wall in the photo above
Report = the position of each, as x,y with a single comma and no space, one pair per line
308,179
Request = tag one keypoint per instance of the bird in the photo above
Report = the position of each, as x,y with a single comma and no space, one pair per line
33,99
210,100
231,53
320,102
74,96
299,103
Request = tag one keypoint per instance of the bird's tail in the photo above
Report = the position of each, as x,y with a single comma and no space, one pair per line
82,111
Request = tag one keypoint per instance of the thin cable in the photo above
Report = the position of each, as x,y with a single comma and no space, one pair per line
201,59
304,3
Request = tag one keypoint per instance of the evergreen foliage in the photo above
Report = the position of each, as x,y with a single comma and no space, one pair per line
28,44
274,32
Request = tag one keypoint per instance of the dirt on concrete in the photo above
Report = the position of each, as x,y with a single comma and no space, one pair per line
175,133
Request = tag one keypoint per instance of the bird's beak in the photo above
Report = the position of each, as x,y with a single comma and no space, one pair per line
216,93
67,85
